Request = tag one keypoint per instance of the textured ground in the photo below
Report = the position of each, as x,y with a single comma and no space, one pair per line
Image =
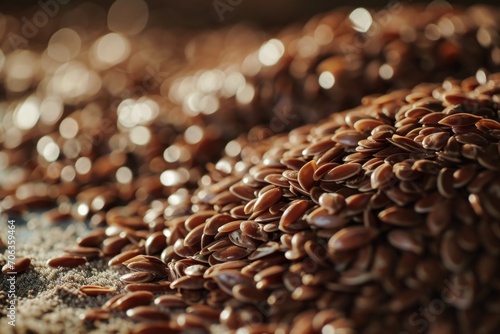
48,299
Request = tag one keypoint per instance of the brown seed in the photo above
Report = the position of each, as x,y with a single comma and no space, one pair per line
229,318
405,240
153,327
151,287
350,238
471,138
155,243
227,279
88,252
195,270
95,314
239,239
264,250
445,183
146,313
463,175
277,180
435,141
305,176
249,206
122,257
197,219
253,230
113,245
231,253
261,173
480,180
367,124
404,300
383,261
461,119
440,216
348,137
453,257
331,154
267,199
158,270
294,212
426,166
95,290
318,147
268,218
194,236
488,238
323,169
215,222
93,239
191,321
292,163
467,238
110,303
66,261
170,301
323,219
382,176
224,266
132,222
242,191
18,267
137,277
343,172
355,276
357,203
290,175
133,299
405,144
203,311
432,119
306,293
141,257
332,202
238,211
399,216
230,227
485,267
188,282
248,293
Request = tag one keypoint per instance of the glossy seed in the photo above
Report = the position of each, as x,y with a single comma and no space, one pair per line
342,172
66,261
350,238
18,267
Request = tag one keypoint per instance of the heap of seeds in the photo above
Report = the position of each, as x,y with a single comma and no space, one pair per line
357,223
378,219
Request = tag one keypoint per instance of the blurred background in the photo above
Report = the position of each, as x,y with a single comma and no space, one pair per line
203,13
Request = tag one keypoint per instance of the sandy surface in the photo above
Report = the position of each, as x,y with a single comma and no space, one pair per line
48,300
